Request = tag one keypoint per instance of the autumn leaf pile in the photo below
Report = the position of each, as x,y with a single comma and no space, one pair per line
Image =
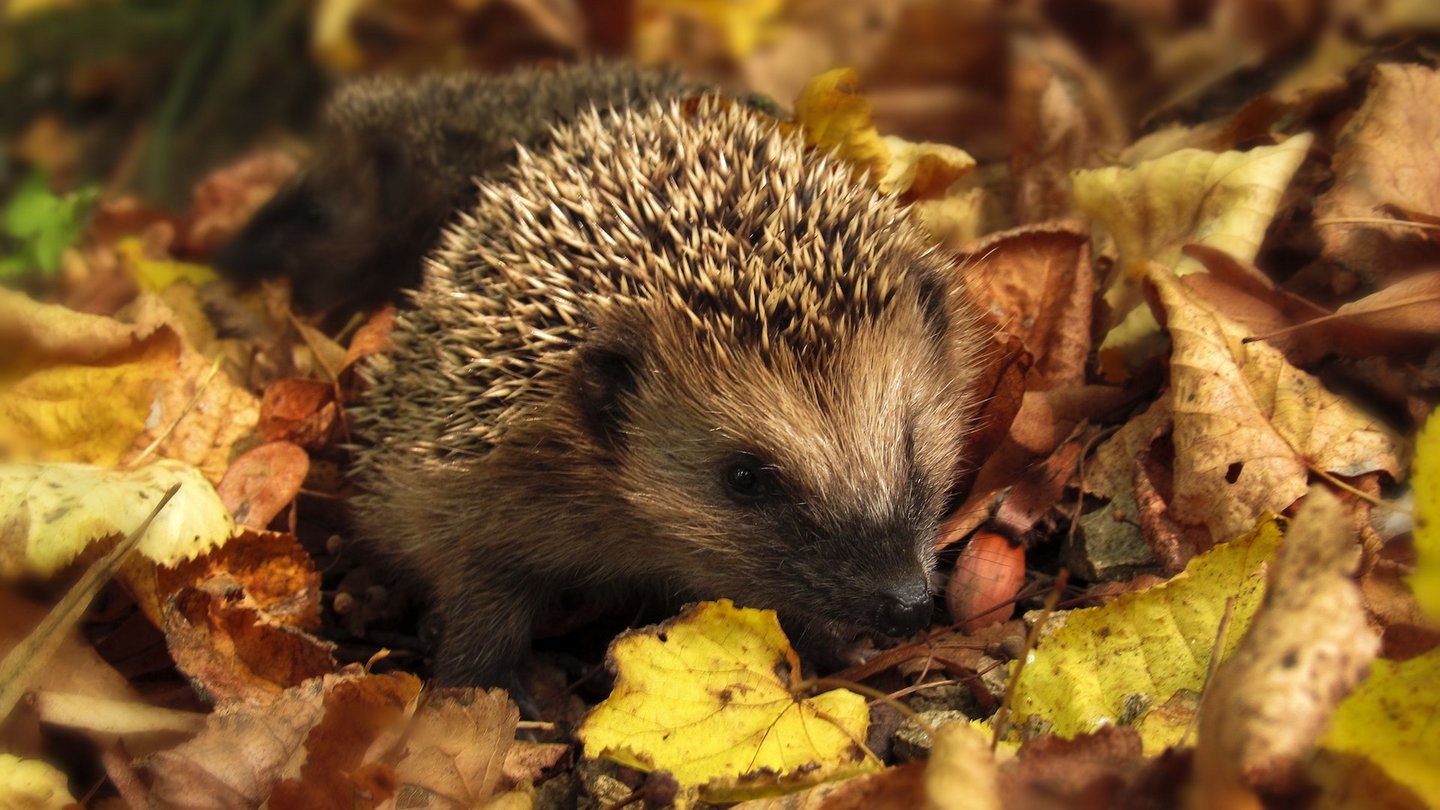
1193,560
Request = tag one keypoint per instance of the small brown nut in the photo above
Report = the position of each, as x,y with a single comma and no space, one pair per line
986,578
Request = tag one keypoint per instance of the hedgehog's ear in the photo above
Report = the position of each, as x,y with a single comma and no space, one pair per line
606,374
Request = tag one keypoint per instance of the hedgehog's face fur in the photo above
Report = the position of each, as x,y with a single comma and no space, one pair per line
808,481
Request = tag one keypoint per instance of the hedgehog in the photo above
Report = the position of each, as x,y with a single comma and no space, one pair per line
676,351
396,158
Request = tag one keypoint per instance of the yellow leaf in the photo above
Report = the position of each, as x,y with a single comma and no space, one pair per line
743,24
922,171
157,274
710,697
87,412
83,388
50,513
331,40
1425,484
835,117
28,784
1224,200
1144,646
1390,720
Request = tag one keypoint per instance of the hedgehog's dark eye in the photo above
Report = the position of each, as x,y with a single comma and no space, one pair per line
748,479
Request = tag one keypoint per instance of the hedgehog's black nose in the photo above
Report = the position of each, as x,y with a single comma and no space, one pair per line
905,610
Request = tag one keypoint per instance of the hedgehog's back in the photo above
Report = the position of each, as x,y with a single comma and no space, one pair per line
702,207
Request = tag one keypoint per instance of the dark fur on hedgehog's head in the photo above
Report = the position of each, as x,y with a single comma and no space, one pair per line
349,232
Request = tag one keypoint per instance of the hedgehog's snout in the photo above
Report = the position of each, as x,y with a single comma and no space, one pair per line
905,609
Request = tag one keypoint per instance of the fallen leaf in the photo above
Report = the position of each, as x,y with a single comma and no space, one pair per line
54,512
29,784
230,651
1223,200
262,482
922,171
835,117
1383,158
277,575
1425,484
1248,426
456,751
897,788
228,196
742,25
247,748
1061,116
1306,648
962,773
1145,645
1090,771
61,359
299,411
1036,282
372,338
1408,305
1389,720
710,697
357,711
154,275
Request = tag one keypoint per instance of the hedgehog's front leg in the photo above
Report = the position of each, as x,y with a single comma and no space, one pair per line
488,610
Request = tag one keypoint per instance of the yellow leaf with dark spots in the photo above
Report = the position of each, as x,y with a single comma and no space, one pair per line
712,697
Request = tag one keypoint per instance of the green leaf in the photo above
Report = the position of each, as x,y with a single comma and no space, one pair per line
41,225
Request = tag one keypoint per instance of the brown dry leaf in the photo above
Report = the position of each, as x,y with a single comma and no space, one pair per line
1090,771
1307,647
278,577
897,788
299,411
221,414
231,651
1036,281
1061,117
1248,296
1039,428
248,748
262,482
1410,305
373,337
1248,426
357,713
1405,629
226,199
1385,156
458,750
1001,387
